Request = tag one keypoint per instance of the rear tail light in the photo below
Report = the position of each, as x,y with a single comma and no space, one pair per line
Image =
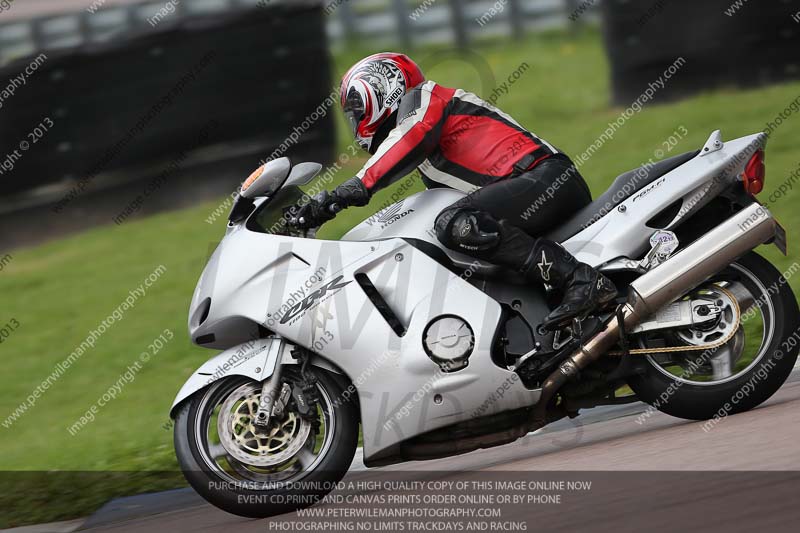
754,173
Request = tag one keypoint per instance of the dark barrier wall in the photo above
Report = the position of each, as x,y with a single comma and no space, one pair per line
724,42
243,81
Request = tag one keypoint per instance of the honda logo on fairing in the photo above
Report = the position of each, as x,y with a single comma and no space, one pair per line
389,216
314,298
395,218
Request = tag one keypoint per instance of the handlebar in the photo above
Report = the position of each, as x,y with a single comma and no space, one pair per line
295,221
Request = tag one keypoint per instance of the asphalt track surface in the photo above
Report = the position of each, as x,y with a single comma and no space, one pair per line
657,473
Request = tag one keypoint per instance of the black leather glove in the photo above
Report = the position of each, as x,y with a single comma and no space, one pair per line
352,192
319,209
324,206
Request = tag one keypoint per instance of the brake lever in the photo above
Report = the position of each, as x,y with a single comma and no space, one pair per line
309,233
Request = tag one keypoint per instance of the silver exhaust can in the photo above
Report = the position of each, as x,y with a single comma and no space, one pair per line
747,229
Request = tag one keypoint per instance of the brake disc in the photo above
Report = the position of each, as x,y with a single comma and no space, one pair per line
255,445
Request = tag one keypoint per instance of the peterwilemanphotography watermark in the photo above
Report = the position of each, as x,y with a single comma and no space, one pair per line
126,378
87,344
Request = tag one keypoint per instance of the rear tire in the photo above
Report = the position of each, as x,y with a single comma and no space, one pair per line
770,368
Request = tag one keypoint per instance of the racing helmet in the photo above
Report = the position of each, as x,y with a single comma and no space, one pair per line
371,91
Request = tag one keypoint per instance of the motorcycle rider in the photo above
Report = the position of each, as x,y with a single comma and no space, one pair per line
518,185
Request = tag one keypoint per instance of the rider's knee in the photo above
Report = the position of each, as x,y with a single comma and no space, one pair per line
442,226
468,231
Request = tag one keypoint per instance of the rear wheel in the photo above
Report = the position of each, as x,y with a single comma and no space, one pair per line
743,372
257,472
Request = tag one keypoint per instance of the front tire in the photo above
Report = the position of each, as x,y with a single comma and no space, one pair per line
759,377
245,482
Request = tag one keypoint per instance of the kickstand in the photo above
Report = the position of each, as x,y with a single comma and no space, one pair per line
626,362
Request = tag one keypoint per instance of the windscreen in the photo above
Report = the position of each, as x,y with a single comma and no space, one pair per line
272,215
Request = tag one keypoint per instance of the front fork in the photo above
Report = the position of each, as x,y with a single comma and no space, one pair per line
275,394
269,392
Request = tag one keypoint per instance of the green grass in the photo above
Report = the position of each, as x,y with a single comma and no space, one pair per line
61,290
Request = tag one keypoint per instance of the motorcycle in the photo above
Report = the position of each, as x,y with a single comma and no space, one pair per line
433,353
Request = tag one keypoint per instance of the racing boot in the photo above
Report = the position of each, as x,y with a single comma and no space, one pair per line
585,289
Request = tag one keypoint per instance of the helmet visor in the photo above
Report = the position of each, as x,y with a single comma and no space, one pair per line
354,110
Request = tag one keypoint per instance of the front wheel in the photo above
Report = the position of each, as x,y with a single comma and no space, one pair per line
255,471
743,372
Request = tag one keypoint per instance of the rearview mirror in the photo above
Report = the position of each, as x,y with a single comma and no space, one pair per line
267,179
302,173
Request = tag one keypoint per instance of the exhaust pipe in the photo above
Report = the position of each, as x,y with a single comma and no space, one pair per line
750,227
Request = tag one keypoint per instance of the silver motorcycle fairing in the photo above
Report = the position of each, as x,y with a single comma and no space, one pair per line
410,218
331,315
252,276
623,231
413,218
